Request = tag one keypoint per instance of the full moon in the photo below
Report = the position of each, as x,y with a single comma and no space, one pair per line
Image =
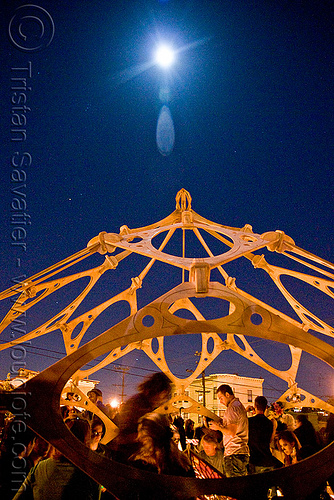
164,56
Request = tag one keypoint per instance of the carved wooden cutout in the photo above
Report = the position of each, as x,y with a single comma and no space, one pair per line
134,333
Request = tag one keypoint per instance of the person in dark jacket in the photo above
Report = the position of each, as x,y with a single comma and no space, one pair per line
260,435
306,433
158,453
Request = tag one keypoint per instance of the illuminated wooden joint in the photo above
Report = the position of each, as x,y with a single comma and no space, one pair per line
247,228
123,230
187,218
109,263
259,262
230,283
279,241
64,328
136,283
100,243
200,275
29,290
103,248
183,200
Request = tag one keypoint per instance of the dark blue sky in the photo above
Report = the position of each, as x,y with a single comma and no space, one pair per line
253,114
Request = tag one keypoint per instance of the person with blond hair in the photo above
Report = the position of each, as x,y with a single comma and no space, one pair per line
210,450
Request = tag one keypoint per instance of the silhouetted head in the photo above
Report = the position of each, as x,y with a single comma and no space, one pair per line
80,428
157,388
261,403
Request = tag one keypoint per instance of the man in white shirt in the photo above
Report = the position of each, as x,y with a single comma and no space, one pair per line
234,426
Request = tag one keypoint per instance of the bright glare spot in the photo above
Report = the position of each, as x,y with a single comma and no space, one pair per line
164,56
114,403
165,134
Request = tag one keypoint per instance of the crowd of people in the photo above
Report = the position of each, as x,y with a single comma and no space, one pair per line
244,441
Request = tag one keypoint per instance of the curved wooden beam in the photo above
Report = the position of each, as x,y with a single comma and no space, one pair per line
296,481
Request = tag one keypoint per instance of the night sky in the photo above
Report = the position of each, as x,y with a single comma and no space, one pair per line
251,99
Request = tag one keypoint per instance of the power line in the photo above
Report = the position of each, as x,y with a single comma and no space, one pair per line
89,364
267,388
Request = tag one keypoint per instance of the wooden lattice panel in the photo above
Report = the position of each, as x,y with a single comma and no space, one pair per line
159,320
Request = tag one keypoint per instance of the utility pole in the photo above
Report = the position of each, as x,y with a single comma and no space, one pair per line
197,353
124,370
203,384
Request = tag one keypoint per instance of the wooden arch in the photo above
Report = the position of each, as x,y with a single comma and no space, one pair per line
135,332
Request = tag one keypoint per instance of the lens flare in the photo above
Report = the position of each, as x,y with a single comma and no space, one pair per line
165,132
